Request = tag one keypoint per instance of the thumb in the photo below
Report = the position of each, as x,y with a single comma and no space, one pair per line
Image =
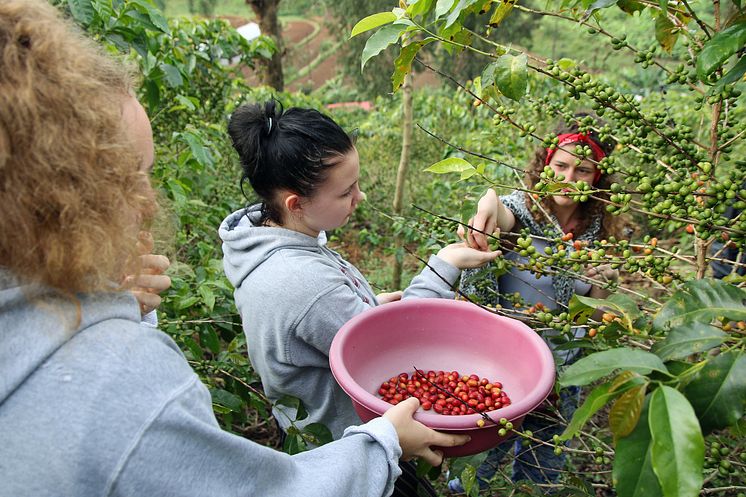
410,406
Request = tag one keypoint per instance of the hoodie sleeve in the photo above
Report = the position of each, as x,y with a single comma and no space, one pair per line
318,325
183,452
435,281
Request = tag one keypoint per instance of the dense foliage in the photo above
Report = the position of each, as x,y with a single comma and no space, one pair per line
665,369
668,353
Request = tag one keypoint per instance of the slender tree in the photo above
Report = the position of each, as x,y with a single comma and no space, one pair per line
266,13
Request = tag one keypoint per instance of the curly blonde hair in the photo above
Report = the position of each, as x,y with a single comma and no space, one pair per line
610,225
71,185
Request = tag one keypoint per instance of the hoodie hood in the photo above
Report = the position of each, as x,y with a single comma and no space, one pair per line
246,245
35,322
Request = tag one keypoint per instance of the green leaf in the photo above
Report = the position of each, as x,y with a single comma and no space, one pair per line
702,300
319,432
199,151
598,398
501,12
378,42
734,74
295,404
468,479
566,64
678,448
403,63
81,10
457,10
687,339
419,7
600,364
720,48
449,165
718,391
511,76
623,305
294,443
443,7
211,339
633,474
599,4
173,76
625,413
372,22
665,32
630,6
208,297
226,399
155,15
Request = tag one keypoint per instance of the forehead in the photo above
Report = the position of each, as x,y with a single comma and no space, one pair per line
137,125
565,155
345,170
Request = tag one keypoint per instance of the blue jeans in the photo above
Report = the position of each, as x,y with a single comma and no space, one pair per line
535,462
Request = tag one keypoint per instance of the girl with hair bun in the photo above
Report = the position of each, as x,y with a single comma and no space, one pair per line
554,216
293,292
93,402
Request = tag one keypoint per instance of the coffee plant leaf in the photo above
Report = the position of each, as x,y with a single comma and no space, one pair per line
226,399
372,22
702,301
295,404
319,433
459,9
81,10
617,302
501,12
632,473
688,338
665,31
630,6
718,391
442,7
457,464
379,41
403,63
468,479
720,48
294,443
625,412
603,363
678,448
733,75
419,7
155,16
598,398
511,75
449,165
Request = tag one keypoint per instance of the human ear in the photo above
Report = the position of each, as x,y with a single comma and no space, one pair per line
293,203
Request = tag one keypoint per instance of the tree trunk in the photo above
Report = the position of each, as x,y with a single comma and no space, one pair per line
266,13
401,174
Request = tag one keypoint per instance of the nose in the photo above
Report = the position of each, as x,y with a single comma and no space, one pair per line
570,175
359,195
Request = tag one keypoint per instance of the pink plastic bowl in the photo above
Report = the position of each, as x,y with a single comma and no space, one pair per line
444,335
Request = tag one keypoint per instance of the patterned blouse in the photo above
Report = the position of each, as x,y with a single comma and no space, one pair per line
563,283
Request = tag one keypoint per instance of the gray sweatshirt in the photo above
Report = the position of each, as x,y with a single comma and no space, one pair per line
293,294
92,403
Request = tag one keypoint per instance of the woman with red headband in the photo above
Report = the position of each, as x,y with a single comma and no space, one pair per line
554,216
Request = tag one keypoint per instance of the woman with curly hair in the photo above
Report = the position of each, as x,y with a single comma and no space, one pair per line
557,215
93,403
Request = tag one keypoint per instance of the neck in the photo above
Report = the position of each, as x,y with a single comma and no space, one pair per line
566,215
294,225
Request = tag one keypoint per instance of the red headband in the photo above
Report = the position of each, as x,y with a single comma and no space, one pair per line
566,139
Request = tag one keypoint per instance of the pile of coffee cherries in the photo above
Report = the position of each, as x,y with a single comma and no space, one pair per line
446,392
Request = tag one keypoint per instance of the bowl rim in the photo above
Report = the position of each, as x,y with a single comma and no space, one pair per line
433,420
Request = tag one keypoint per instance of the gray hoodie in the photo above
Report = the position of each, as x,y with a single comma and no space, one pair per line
92,403
294,293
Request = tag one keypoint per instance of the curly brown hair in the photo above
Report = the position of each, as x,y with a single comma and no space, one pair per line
71,185
610,225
